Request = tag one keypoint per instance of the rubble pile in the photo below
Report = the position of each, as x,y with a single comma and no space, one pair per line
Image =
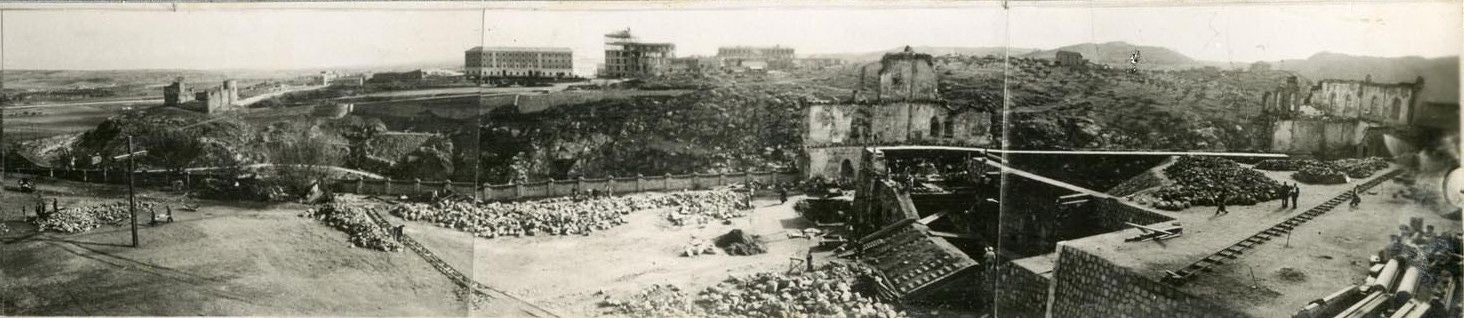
1284,164
82,219
1362,168
1326,172
1202,180
1323,173
563,216
828,292
738,242
353,220
695,208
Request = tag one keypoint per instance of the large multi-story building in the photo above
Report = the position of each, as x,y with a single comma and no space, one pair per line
626,56
774,57
511,62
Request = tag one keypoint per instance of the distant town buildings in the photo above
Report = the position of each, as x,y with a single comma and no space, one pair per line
756,58
514,62
1071,59
411,76
627,56
693,65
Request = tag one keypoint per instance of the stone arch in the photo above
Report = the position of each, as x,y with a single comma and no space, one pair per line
1332,100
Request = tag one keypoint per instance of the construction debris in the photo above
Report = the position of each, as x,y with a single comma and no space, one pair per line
833,291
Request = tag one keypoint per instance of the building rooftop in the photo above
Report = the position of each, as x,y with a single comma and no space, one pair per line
520,49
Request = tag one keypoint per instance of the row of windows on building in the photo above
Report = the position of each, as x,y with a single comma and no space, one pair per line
1372,106
862,129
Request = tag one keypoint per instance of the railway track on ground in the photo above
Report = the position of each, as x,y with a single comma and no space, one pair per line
1207,264
457,277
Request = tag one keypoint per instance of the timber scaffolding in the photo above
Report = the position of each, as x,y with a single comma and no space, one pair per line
1283,228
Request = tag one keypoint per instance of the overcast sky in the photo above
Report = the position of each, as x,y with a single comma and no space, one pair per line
309,39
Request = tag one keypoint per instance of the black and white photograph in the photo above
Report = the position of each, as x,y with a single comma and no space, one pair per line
982,159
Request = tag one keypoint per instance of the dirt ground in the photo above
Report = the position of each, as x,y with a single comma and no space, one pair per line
224,259
566,273
1331,251
58,120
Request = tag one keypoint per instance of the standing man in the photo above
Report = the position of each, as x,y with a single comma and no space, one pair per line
809,259
1285,196
1220,204
1295,194
782,195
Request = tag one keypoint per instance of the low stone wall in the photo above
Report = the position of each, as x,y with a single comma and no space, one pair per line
1089,286
1019,292
1109,213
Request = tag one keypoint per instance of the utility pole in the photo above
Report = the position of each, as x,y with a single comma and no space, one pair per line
131,190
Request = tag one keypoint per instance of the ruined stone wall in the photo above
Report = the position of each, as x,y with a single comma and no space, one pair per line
828,124
1387,103
905,76
1086,285
827,161
1316,136
1019,292
1110,215
972,127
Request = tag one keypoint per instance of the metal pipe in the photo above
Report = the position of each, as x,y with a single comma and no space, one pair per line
1387,277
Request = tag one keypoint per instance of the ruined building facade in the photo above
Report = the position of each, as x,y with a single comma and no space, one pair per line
213,100
896,103
1339,118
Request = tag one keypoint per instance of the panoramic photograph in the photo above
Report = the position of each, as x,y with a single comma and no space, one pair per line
715,159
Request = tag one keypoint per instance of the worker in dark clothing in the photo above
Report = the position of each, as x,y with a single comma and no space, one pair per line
1220,204
1356,198
1295,194
782,195
1286,197
809,259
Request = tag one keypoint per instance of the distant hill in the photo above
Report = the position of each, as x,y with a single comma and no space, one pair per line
1117,53
932,50
1441,74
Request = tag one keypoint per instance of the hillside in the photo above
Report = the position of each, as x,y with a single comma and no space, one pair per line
932,50
1117,53
1441,74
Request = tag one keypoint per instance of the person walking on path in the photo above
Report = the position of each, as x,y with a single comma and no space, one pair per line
1220,204
782,195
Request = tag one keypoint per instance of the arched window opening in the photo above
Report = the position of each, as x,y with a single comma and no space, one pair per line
935,126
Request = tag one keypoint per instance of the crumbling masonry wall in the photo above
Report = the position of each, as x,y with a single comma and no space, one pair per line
1089,286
